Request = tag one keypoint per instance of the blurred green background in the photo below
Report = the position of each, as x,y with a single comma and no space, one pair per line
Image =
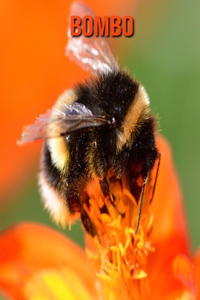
164,54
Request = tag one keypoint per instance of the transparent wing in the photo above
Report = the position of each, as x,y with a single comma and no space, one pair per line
60,122
93,54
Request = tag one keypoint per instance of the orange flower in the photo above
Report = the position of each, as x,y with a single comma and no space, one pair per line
155,263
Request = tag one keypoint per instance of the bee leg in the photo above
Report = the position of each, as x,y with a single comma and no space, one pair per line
104,187
157,171
73,200
87,224
135,189
141,202
106,192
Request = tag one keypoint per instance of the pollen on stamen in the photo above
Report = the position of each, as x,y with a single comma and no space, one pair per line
120,256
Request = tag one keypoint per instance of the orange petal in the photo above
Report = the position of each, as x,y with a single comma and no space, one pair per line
167,206
28,249
170,235
57,284
197,272
184,271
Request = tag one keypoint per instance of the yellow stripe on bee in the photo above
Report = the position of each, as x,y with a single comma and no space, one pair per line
59,152
58,146
138,112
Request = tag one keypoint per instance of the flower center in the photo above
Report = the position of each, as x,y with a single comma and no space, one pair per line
120,256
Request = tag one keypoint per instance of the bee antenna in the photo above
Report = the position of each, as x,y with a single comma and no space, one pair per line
141,203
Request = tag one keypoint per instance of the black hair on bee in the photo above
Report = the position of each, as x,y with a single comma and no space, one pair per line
100,127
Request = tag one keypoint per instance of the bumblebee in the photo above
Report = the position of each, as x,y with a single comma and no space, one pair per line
101,128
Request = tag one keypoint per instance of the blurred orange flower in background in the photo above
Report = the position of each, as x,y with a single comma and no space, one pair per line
34,72
38,263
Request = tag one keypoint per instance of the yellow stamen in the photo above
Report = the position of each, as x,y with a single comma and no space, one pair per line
120,255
